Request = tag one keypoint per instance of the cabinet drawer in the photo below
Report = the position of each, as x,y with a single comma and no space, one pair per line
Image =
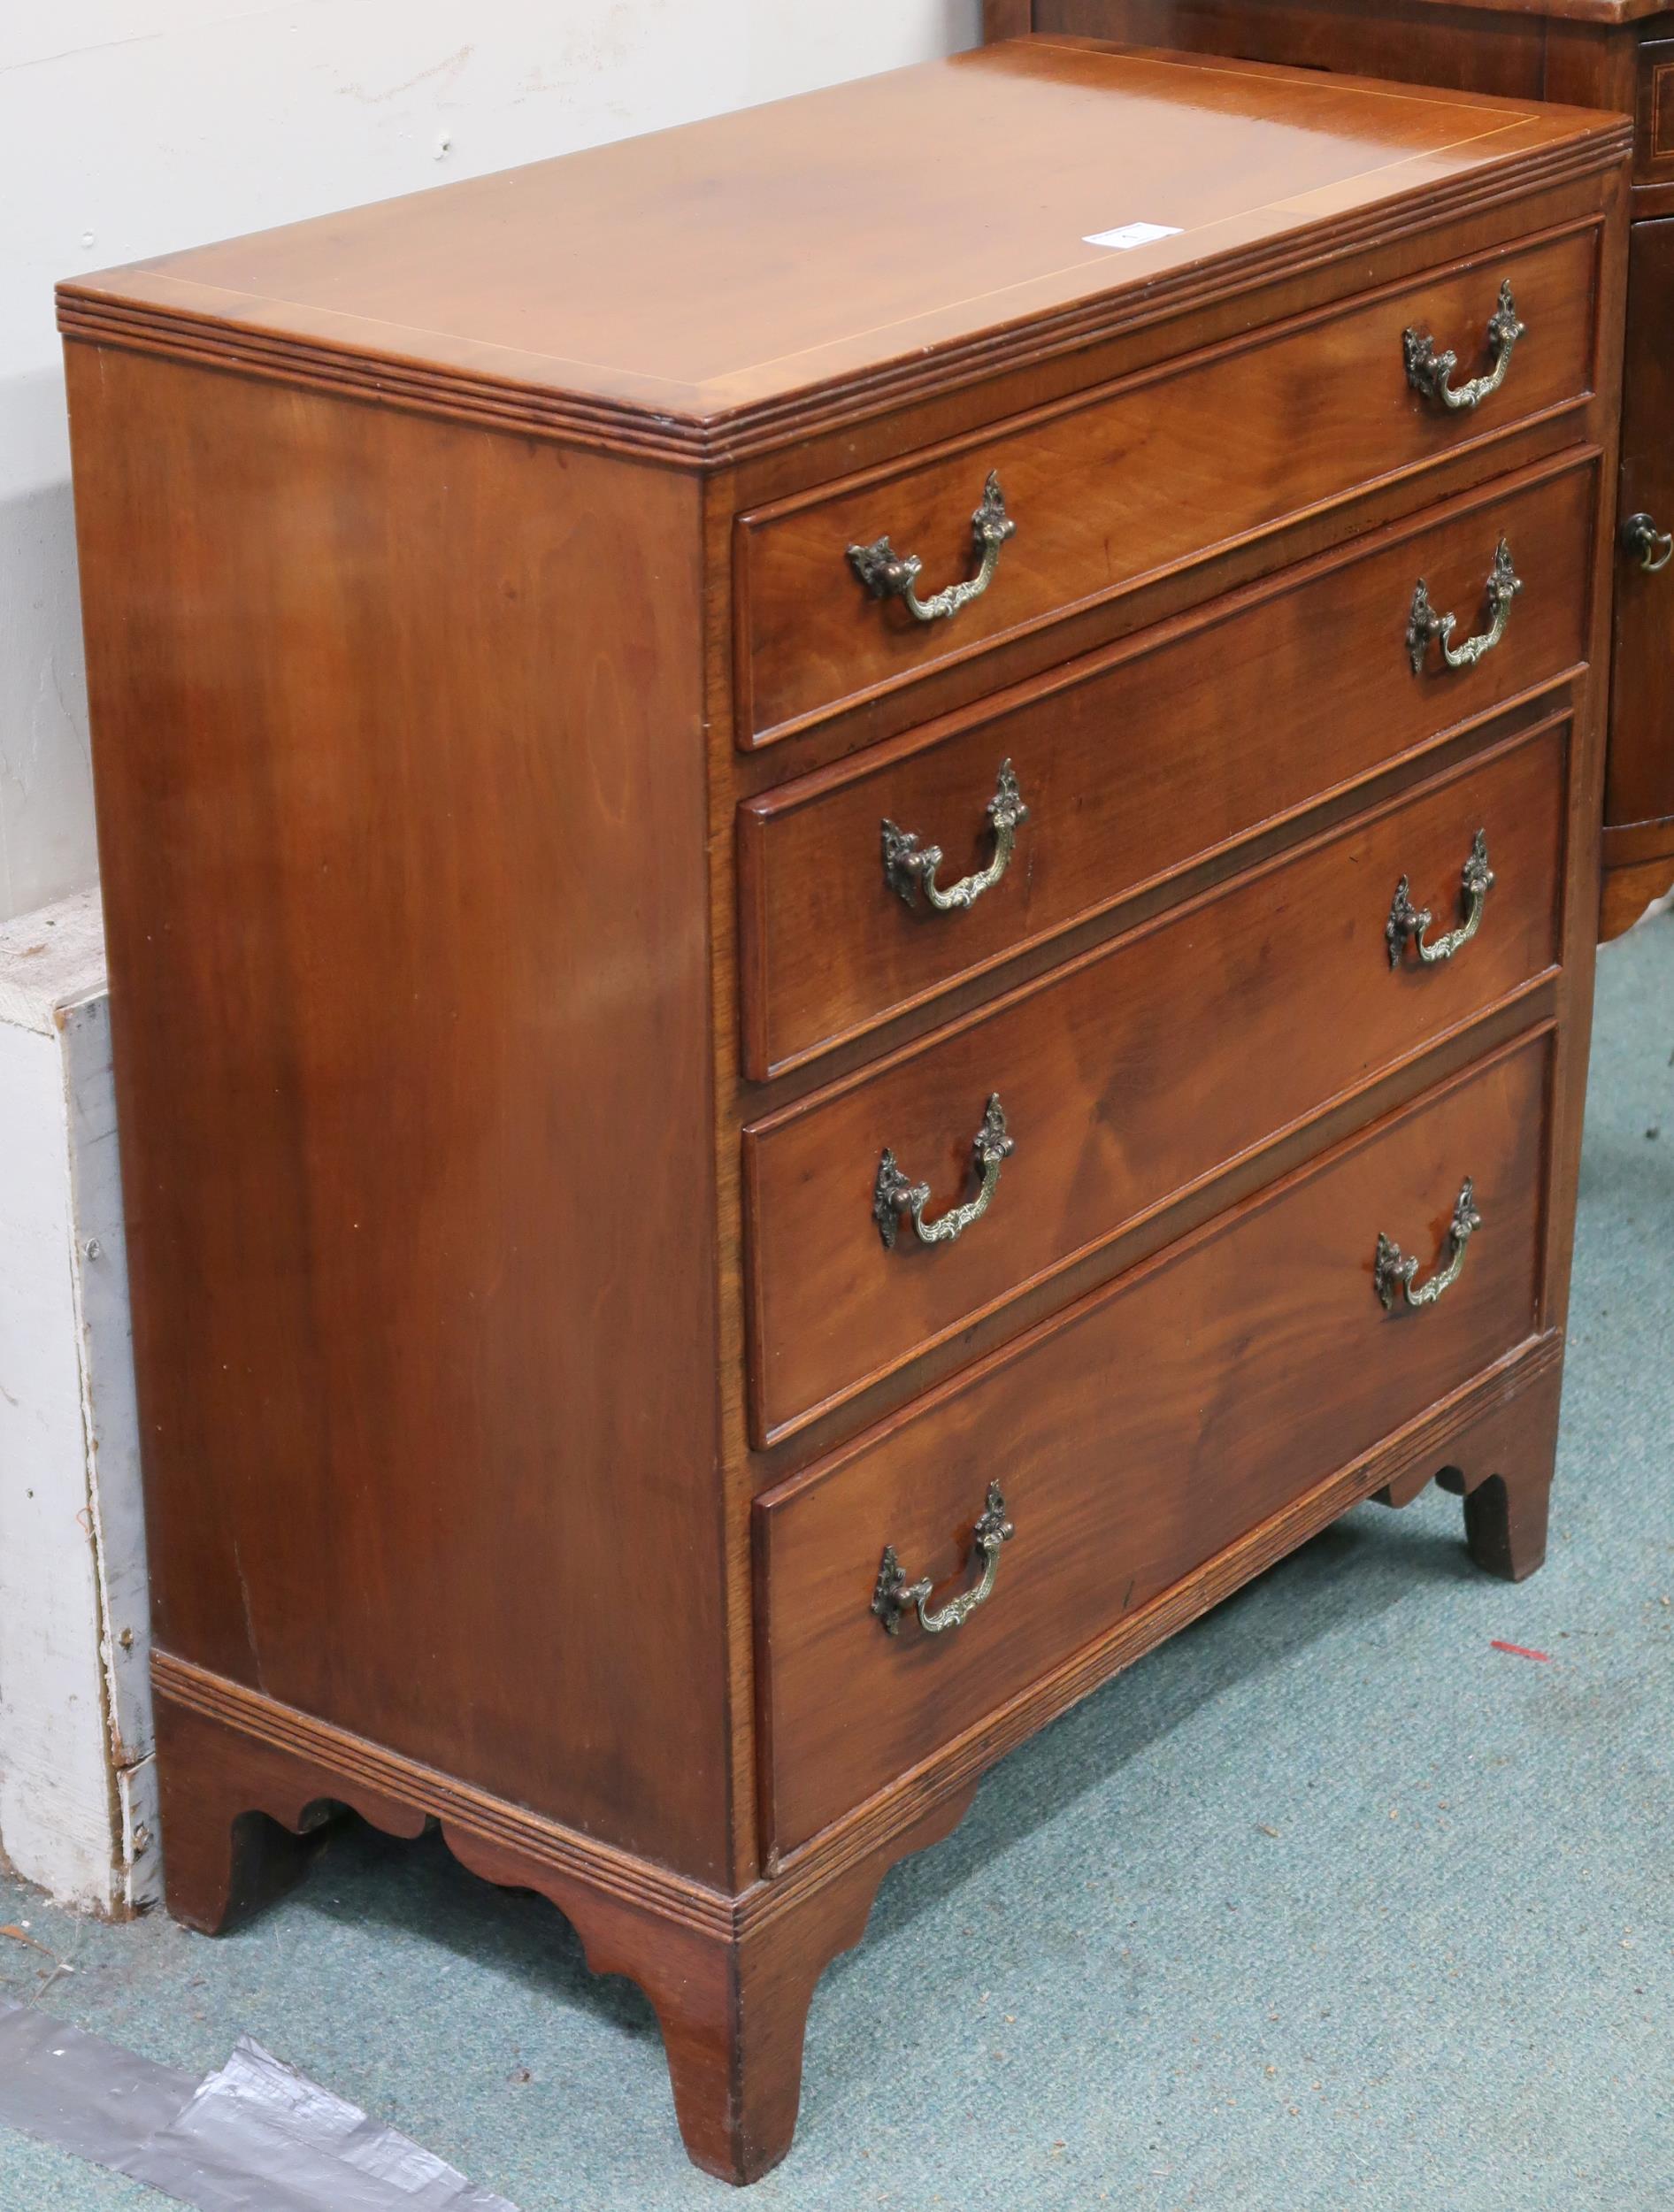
1163,470
1133,1074
1136,764
1140,1435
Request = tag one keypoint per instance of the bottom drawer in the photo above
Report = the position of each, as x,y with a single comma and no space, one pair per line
1140,1434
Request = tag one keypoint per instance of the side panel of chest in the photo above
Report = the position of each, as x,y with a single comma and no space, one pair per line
409,963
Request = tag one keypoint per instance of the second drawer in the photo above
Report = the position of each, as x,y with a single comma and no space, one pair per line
1132,1075
1136,765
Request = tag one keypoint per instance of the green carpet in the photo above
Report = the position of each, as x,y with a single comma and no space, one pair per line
1327,1904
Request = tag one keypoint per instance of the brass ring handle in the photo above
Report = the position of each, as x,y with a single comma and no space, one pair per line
908,866
1430,373
893,1191
1407,922
1651,548
1424,624
895,1595
887,574
1393,1272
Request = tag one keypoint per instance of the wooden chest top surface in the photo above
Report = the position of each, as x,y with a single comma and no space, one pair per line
730,265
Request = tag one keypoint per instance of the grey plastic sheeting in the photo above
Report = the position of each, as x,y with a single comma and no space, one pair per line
255,2137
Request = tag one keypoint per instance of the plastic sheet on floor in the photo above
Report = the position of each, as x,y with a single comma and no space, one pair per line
254,2137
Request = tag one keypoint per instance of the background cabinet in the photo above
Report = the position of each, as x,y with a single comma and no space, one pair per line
1617,55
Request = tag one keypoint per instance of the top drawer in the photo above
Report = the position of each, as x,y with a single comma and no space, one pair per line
1149,475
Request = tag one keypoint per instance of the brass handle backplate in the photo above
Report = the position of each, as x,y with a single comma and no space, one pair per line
894,1595
1431,373
909,867
1651,548
1393,1272
1407,922
1424,624
893,1191
887,574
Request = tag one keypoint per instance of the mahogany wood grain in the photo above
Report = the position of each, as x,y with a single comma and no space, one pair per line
1186,1406
1015,19
1476,49
1136,763
1506,1516
733,2006
408,539
1519,49
1588,65
1503,1419
1592,52
363,880
1406,243
1324,410
248,1785
1267,1001
1639,790
1581,884
711,289
1630,887
1501,1464
1012,661
1149,1233
1411,238
242,1825
1655,109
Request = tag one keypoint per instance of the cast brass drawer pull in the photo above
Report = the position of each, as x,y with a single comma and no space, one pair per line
1651,548
908,865
887,574
1428,371
894,1593
892,1190
1392,1270
1407,921
1424,623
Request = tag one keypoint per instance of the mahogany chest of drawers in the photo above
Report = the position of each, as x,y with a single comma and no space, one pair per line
1614,54
851,861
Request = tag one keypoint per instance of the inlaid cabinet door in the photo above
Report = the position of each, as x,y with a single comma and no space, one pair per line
1654,160
1642,772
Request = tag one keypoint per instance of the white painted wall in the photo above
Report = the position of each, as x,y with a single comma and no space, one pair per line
129,128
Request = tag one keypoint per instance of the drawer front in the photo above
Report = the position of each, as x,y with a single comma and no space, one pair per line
1152,474
1136,763
1138,1437
1132,1075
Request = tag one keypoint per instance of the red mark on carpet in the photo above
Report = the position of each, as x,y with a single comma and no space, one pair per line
1518,1651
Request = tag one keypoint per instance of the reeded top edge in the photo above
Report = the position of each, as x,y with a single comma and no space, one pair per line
706,292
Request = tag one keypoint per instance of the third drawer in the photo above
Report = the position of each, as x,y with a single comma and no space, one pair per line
1138,1074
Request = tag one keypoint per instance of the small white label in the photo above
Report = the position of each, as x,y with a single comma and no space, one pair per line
1131,234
